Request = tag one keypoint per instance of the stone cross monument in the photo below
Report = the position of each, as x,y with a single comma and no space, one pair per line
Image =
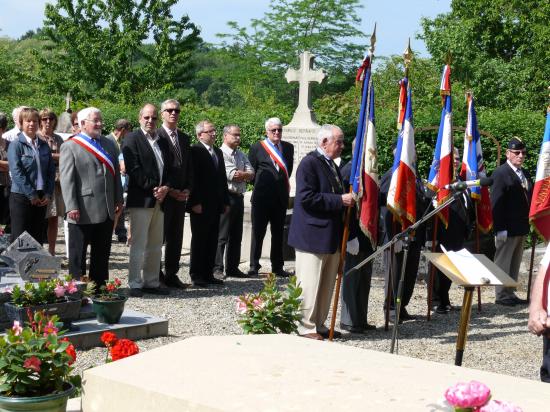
302,130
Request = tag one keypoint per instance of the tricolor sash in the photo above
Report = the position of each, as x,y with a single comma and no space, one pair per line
97,151
277,157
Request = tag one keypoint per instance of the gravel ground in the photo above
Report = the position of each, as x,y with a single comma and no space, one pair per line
498,340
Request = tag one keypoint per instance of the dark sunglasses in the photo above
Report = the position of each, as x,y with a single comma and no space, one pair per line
518,152
149,118
275,130
177,111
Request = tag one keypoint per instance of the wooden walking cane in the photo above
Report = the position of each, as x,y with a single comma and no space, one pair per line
432,270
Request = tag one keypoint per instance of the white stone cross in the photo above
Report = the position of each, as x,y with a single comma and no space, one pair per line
304,76
68,101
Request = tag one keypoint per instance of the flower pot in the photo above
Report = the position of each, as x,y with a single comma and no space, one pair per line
108,311
56,402
67,311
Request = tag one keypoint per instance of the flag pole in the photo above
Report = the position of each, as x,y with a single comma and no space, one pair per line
345,235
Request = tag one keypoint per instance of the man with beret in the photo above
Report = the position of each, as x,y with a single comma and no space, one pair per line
510,200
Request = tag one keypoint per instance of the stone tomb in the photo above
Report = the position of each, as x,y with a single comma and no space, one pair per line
285,373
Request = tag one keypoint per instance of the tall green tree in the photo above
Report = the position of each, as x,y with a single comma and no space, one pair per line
120,48
500,47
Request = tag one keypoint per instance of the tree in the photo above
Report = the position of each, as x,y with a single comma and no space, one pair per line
120,48
499,47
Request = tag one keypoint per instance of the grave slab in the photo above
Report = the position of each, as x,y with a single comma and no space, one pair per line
285,373
133,325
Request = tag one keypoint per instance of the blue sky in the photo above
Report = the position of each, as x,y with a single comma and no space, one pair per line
397,20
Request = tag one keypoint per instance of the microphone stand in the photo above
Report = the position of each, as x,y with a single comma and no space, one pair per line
404,236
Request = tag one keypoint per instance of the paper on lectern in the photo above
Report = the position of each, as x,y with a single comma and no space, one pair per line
471,268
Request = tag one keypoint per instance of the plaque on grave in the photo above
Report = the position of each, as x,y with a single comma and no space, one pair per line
31,261
302,129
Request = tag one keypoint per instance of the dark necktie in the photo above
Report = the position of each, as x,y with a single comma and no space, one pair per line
174,139
335,173
214,157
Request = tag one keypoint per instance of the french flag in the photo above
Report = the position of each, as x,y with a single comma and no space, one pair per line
402,190
364,172
441,171
539,215
474,169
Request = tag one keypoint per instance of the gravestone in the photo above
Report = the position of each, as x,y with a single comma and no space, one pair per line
302,129
31,261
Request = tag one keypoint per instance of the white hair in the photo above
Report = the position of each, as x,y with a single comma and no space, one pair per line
326,132
273,120
86,113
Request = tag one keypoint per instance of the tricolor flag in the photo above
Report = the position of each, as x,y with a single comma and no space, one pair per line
539,215
441,171
473,169
402,190
364,171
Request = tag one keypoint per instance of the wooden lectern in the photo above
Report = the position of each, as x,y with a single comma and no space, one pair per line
443,263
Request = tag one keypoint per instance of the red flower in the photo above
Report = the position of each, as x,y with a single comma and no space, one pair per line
32,363
108,338
123,348
110,287
70,351
118,282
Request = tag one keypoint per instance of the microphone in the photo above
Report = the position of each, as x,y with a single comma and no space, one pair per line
460,186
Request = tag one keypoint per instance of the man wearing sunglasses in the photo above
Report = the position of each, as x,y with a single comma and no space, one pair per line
272,159
178,163
510,199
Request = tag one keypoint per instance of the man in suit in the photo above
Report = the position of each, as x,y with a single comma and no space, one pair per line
239,171
510,200
90,184
316,229
207,202
272,159
178,163
145,157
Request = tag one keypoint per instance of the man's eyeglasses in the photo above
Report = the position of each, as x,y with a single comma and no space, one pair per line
147,118
518,152
94,121
177,111
279,130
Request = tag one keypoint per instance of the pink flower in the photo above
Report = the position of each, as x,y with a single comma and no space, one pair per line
241,305
16,328
258,303
59,291
7,289
499,406
50,329
71,287
468,395
32,363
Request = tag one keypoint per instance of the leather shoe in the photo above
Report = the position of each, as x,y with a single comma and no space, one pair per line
214,281
506,302
520,301
156,291
283,273
122,238
136,293
357,329
315,336
336,335
253,273
175,282
443,309
236,274
200,284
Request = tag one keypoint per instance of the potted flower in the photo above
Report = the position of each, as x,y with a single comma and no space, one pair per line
108,304
35,366
54,296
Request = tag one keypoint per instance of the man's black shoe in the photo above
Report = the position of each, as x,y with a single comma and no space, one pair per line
405,315
443,309
520,301
252,273
283,274
122,238
236,274
175,282
357,329
156,291
336,334
136,293
214,281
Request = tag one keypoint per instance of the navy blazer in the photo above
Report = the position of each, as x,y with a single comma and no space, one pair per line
510,201
180,171
317,219
270,184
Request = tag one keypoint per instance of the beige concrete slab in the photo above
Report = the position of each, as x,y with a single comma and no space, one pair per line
284,373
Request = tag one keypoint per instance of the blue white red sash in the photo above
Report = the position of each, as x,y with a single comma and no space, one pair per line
277,157
86,143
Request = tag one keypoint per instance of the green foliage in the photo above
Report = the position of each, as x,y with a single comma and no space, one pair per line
35,360
42,293
271,311
499,46
102,47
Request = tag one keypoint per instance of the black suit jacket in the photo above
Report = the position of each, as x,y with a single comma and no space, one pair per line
210,183
270,184
510,201
180,172
142,169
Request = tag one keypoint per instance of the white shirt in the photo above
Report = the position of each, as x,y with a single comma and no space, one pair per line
11,134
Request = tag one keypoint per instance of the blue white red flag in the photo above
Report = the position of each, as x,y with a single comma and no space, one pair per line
364,169
402,190
474,169
441,171
539,215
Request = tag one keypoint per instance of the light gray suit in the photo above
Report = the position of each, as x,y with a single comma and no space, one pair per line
89,187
